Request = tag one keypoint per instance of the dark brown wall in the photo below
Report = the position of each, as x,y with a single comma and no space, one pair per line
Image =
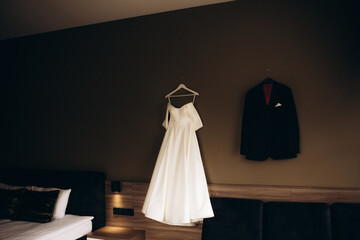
92,98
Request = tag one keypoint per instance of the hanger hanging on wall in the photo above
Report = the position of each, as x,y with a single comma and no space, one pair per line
182,86
268,79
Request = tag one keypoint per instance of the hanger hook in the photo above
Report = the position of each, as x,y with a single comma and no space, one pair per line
267,71
182,78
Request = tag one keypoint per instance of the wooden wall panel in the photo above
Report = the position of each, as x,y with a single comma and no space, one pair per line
286,193
133,196
123,200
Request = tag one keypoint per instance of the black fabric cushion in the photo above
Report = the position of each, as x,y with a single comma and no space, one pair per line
296,221
9,202
37,206
234,219
345,221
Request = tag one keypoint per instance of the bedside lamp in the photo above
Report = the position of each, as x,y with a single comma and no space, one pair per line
115,186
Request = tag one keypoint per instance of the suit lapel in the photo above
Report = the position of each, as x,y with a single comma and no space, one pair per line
274,96
268,109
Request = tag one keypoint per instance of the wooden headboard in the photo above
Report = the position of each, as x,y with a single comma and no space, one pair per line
87,197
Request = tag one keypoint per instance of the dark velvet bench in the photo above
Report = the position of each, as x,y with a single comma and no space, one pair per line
247,219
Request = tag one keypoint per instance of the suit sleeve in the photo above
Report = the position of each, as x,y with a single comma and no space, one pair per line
293,126
245,127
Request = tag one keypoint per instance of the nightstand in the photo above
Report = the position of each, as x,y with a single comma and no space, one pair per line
116,233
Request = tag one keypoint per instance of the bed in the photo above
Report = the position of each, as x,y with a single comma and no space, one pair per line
85,210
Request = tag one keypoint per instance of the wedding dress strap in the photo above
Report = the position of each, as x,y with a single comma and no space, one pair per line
166,122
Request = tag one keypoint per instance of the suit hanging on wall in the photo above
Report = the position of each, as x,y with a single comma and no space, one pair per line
270,125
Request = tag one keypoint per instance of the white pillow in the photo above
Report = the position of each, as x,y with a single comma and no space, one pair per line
10,187
61,202
4,186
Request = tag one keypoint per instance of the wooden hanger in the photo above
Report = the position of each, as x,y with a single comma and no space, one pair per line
182,86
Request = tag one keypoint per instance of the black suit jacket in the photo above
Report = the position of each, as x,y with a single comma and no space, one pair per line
270,130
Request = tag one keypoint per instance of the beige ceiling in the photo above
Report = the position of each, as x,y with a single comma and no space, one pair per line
24,17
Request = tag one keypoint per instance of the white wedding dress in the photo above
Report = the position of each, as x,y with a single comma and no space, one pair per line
178,192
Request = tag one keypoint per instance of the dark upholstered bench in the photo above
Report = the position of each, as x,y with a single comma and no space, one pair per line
345,221
234,219
296,221
248,219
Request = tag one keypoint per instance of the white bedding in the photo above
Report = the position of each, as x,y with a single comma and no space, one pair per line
67,228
